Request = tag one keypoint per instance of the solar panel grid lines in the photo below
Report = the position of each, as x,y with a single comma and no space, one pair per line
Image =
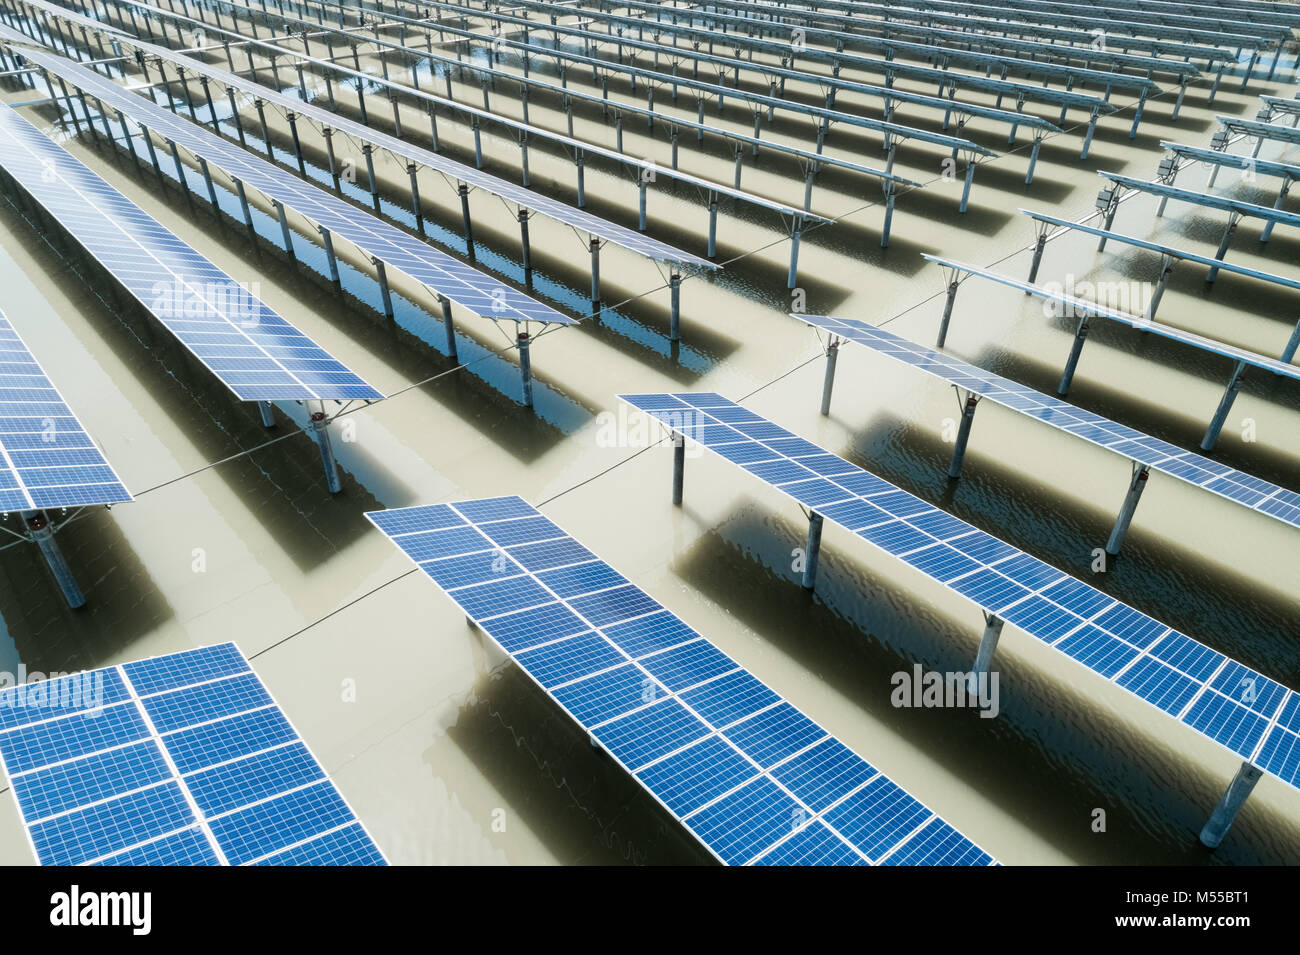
718,750
1255,718
445,275
1255,494
183,759
47,459
1083,307
256,353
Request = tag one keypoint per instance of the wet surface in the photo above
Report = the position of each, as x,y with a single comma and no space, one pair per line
449,754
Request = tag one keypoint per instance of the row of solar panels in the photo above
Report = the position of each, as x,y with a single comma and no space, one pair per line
859,821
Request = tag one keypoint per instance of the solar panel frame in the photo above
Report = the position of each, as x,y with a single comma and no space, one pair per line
901,96
1207,200
928,31
1083,307
561,212
107,779
649,703
1102,634
609,231
47,458
1241,488
443,274
1218,157
1170,251
1274,131
116,232
969,58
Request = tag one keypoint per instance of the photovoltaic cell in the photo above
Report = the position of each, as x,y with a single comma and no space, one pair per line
176,760
46,457
253,350
1233,705
711,743
443,274
1244,489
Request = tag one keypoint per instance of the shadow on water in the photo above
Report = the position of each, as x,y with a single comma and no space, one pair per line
123,602
1171,583
573,797
1151,412
554,275
283,484
1052,756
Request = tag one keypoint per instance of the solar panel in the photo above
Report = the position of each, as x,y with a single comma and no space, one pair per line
463,284
1244,711
1120,27
751,777
689,82
1283,134
692,83
182,759
888,47
1209,201
888,68
46,457
561,212
531,200
1082,307
1279,104
255,352
1169,459
961,15
1263,167
971,31
1165,250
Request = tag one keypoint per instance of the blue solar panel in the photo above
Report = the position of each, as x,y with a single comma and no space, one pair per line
253,350
46,457
1220,698
463,284
1255,494
176,760
717,748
